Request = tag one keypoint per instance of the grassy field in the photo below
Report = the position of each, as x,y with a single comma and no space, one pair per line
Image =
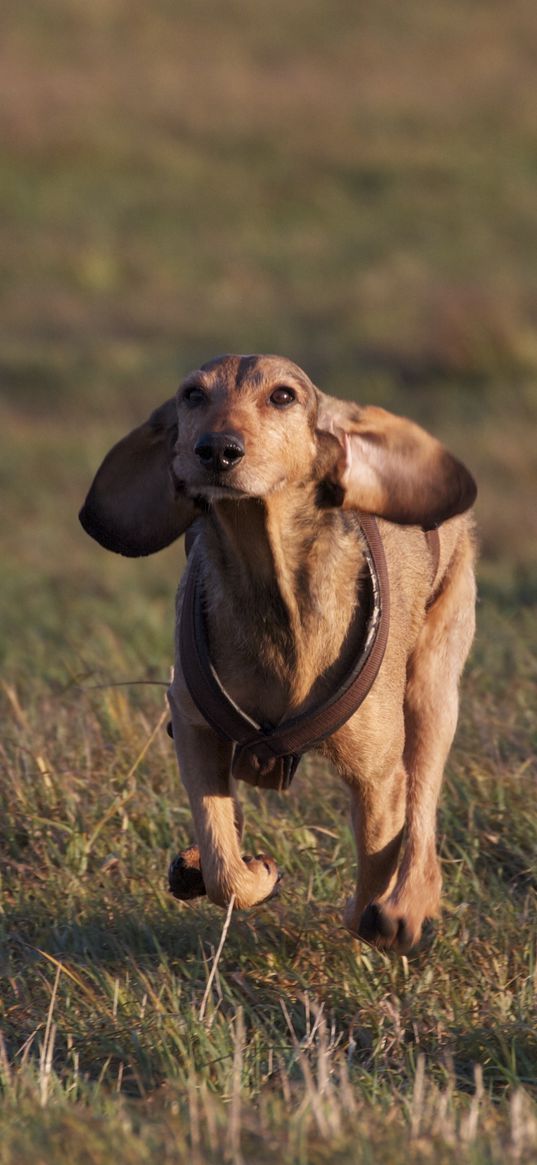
353,186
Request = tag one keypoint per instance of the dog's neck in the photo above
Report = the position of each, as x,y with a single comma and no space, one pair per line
281,586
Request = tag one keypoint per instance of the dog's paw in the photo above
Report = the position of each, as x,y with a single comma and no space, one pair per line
267,876
384,927
185,878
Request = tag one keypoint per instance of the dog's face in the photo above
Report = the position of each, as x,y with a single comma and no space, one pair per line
246,427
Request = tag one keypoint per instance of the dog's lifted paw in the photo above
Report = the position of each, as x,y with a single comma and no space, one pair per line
185,878
267,873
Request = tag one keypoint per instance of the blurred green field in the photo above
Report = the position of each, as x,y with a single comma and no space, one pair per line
353,186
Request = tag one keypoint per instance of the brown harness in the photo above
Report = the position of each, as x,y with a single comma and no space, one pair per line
270,753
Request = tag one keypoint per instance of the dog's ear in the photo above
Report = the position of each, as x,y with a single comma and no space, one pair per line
134,507
389,466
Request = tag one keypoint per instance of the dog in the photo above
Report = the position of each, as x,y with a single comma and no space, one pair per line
275,482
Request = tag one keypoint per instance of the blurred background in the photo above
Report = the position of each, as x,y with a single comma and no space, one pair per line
351,185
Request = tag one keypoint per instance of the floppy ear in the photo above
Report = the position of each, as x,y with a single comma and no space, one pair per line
389,466
133,506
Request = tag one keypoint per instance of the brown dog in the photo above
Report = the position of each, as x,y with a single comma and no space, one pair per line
276,474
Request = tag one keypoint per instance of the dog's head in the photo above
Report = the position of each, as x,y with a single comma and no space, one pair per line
245,426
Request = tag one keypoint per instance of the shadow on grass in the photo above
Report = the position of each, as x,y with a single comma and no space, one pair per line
131,992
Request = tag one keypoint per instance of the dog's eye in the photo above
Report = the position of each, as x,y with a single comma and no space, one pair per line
194,395
281,397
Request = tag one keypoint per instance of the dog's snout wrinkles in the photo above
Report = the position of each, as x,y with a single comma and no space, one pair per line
219,451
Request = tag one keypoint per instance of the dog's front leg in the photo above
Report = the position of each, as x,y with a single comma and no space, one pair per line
205,766
378,809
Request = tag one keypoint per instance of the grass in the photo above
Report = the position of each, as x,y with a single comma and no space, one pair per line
308,1041
353,187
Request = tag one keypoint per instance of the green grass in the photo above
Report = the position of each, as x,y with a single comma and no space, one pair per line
352,186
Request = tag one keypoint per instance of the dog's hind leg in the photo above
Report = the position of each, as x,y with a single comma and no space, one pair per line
431,707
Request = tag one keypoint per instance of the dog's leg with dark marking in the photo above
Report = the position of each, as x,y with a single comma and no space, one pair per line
184,874
395,920
185,878
205,764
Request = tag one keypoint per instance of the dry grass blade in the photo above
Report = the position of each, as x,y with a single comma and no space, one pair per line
216,959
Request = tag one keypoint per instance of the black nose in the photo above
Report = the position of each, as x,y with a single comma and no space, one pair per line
219,451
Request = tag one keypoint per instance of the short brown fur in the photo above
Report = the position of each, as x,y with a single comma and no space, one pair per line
281,557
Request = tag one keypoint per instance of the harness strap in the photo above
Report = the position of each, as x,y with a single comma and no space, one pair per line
283,744
291,737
